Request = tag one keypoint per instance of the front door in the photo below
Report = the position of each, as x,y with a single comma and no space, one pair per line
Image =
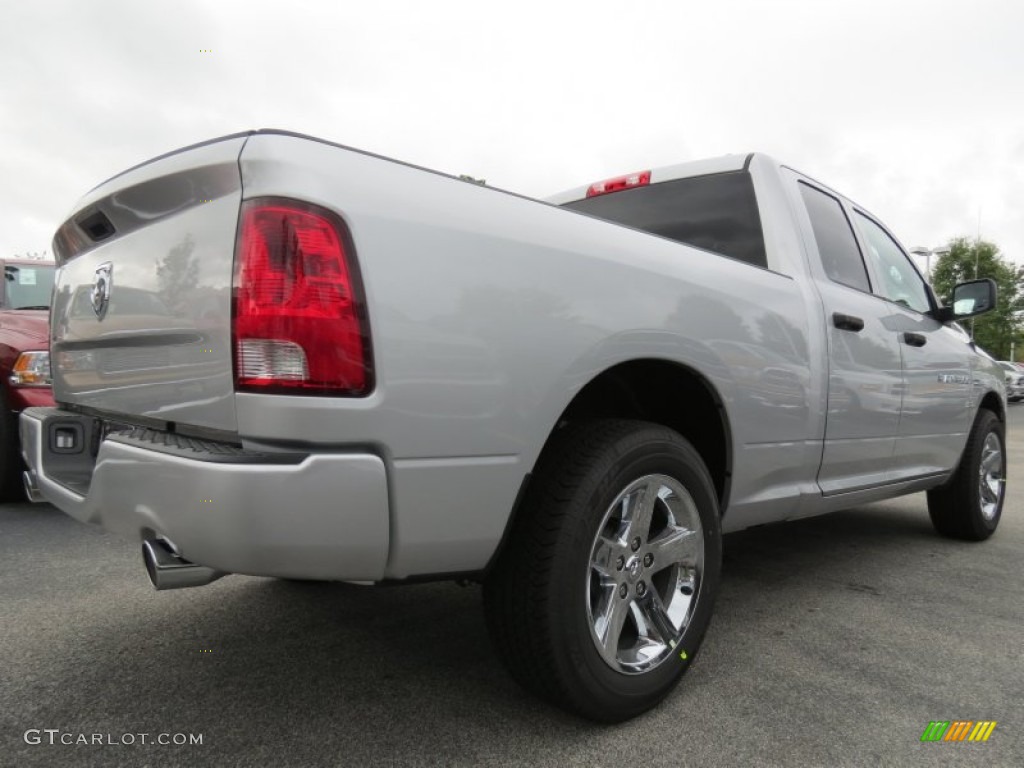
935,414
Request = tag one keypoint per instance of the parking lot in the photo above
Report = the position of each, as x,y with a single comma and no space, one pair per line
835,641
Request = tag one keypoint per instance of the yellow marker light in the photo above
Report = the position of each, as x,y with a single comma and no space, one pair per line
683,656
31,369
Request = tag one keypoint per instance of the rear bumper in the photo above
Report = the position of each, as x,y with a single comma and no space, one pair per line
324,516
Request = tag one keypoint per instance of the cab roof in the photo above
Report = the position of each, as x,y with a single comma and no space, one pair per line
723,164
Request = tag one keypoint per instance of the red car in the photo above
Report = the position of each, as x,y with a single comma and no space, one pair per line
24,357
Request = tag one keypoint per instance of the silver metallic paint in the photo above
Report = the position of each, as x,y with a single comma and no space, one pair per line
489,313
168,355
326,518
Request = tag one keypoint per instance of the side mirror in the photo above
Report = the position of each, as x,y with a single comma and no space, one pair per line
969,299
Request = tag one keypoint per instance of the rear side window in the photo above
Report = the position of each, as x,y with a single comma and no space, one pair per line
717,213
837,245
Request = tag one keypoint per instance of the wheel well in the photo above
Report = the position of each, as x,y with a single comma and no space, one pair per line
992,402
668,394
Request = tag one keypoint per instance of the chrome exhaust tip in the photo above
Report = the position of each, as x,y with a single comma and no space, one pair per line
32,493
168,570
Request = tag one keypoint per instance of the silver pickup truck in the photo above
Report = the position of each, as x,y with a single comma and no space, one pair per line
273,355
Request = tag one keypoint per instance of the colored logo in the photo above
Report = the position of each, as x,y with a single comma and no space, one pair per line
958,730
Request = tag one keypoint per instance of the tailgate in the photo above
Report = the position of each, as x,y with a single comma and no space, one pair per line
141,317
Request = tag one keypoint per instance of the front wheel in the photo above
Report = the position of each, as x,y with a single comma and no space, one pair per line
604,592
970,504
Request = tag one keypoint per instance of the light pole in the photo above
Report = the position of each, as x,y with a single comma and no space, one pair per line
942,250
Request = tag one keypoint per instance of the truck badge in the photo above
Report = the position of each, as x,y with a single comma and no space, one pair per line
101,288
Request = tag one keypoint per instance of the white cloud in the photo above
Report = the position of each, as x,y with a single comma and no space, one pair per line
911,108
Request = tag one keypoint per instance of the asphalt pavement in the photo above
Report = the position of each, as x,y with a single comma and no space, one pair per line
836,640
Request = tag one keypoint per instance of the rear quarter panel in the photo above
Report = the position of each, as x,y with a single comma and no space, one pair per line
489,312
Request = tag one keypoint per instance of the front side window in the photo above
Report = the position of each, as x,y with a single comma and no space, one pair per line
898,280
837,245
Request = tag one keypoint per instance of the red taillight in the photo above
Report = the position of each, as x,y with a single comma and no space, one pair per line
640,179
299,324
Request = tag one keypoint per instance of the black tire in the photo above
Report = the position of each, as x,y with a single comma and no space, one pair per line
539,596
957,508
11,463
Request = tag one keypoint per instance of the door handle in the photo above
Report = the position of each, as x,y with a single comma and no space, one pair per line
847,322
915,339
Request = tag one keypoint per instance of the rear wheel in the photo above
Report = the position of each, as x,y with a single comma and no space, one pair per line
970,504
602,596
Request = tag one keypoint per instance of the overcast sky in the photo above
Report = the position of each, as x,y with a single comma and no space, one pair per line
915,109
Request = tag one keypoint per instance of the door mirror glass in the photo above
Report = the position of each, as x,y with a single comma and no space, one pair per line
974,298
963,307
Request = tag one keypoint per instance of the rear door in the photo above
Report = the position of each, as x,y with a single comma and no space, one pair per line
865,371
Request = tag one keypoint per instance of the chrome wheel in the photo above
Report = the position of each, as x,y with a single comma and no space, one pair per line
990,475
645,572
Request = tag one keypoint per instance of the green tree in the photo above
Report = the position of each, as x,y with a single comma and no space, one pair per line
967,259
177,274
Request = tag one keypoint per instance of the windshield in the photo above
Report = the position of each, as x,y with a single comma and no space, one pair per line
28,286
